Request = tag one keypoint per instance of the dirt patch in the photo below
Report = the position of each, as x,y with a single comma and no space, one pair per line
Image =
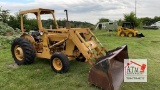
13,65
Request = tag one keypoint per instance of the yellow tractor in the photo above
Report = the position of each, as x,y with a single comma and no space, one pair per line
61,45
127,29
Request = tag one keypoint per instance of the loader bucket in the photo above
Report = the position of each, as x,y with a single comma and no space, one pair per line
140,35
107,73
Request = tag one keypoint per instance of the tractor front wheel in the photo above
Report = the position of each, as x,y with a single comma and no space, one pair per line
59,62
22,51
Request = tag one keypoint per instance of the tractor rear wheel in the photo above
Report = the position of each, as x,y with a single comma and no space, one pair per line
59,62
22,51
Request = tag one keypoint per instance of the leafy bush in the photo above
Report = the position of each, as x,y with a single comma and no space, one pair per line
5,29
5,41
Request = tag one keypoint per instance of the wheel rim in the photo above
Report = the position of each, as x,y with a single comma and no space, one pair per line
130,35
18,51
57,63
122,35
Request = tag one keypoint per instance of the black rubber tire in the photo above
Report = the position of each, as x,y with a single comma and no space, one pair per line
131,33
123,33
28,51
64,60
81,58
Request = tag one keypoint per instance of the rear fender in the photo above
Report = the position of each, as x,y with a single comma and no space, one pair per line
29,37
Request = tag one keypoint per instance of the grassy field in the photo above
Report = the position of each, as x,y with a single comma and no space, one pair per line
39,76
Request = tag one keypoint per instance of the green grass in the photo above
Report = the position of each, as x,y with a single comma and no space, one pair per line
39,76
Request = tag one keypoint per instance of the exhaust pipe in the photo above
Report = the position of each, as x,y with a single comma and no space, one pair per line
68,26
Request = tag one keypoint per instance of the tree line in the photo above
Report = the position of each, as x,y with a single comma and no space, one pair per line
139,22
31,24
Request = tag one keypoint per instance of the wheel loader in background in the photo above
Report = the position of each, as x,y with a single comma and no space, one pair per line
61,45
127,29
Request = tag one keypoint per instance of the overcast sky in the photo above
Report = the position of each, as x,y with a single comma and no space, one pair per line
87,10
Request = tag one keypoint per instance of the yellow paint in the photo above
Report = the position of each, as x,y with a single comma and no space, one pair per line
71,41
18,53
57,64
126,31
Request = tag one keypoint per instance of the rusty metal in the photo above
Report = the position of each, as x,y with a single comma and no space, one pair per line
107,73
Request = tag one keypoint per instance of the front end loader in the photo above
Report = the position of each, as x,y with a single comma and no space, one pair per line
61,45
128,29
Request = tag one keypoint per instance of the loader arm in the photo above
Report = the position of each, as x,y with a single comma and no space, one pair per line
106,66
88,45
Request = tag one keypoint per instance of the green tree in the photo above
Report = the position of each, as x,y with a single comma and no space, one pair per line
131,18
120,21
4,15
15,22
103,20
156,18
62,22
146,21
